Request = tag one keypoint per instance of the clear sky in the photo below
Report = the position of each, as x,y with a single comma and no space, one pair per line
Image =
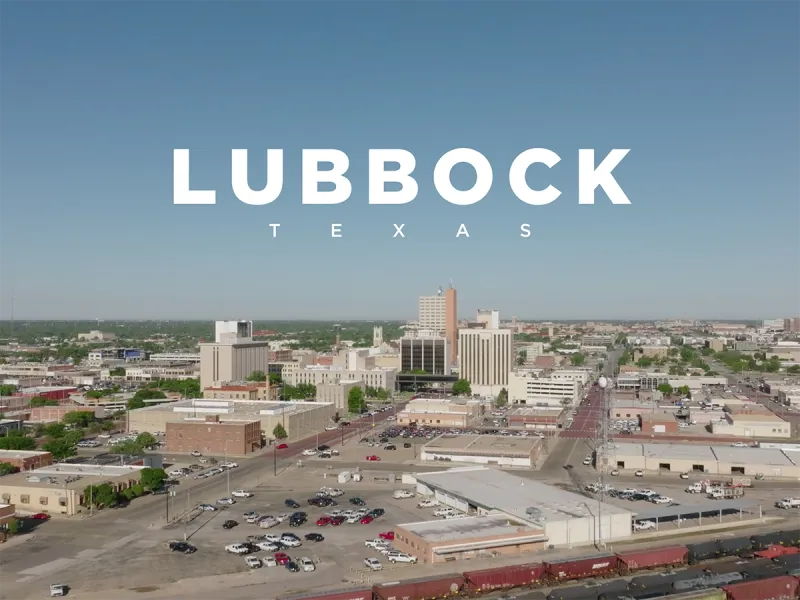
95,97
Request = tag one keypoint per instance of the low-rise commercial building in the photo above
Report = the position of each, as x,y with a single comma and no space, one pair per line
338,393
756,424
529,388
299,419
497,450
565,518
59,489
7,512
711,460
440,412
657,422
51,414
238,391
445,540
213,436
547,417
25,460
322,374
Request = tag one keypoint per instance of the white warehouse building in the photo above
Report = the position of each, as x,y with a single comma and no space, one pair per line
567,519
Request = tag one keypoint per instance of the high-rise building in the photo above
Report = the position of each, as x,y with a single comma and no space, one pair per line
792,325
233,356
451,321
489,318
439,313
425,353
487,357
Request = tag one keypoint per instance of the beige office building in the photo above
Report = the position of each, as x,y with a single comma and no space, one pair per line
439,314
487,357
233,355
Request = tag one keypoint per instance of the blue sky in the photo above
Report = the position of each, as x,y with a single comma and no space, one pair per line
95,96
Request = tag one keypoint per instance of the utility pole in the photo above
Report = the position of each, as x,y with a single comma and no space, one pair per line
188,509
275,459
602,445
227,468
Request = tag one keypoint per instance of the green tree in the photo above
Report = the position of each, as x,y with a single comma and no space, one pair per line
462,388
100,496
274,379
16,440
79,418
7,468
149,394
644,362
383,394
578,359
128,447
13,526
7,390
152,479
522,357
117,372
793,370
355,400
684,391
135,403
39,401
665,389
60,448
55,430
145,440
502,398
257,376
279,433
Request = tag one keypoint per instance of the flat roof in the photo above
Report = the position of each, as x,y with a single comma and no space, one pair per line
752,456
465,528
536,411
703,508
668,451
20,454
757,418
483,444
493,489
254,409
60,476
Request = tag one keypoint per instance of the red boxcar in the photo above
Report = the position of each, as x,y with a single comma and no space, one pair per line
776,588
775,551
579,568
650,559
501,578
350,594
429,588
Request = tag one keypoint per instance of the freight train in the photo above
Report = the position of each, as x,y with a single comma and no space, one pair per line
772,573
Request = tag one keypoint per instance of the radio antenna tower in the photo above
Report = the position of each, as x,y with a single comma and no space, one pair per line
603,445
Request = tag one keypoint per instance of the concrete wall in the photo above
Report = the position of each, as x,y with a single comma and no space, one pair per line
505,461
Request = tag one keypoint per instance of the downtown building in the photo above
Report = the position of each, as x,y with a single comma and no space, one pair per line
233,355
425,351
486,359
439,314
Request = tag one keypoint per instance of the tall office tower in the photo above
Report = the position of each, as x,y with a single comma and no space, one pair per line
432,312
487,357
233,355
451,321
425,353
377,336
489,318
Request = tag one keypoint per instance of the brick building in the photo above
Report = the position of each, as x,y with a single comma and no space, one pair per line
26,461
212,436
658,422
49,414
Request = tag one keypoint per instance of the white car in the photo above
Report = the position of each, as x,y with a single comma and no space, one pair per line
401,557
271,537
306,564
427,503
253,562
226,501
237,549
639,473
660,499
268,522
614,472
331,428
644,525
647,492
196,453
354,519
630,491
267,546
309,452
176,473
684,476
386,550
587,461
373,564
282,517
402,494
241,494
269,561
252,519
739,445
207,507
333,492
291,542
441,512
229,465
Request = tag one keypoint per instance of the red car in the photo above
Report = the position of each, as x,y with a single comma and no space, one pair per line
322,521
367,520
386,535
40,516
281,558
282,446
373,458
337,521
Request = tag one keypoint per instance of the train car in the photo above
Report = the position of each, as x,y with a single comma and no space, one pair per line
712,594
707,581
611,589
790,561
765,540
360,593
573,592
656,581
738,546
790,537
777,588
531,596
581,568
773,552
699,552
503,578
425,588
669,556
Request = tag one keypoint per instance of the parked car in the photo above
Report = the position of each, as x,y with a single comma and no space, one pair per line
241,494
281,558
376,512
357,501
291,503
322,521
253,562
386,535
639,473
401,557
40,517
367,520
399,494
306,564
373,564
229,524
226,501
207,507
282,446
373,458
644,525
314,537
182,547
237,549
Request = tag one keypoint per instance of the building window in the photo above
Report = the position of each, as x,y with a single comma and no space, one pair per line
62,501
25,499
6,498
43,500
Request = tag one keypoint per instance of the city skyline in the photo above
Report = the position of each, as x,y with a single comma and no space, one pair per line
91,117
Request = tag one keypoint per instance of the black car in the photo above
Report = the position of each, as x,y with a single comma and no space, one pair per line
291,503
357,501
376,512
229,524
314,537
297,522
390,447
406,445
322,448
292,566
182,547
